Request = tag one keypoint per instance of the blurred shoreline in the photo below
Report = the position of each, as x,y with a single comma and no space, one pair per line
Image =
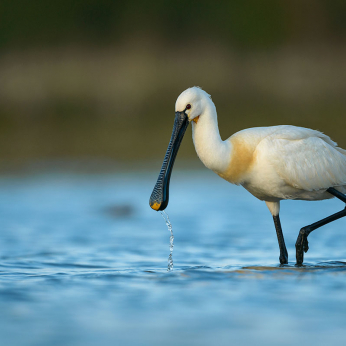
94,165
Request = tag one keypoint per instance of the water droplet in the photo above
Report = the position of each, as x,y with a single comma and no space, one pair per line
171,239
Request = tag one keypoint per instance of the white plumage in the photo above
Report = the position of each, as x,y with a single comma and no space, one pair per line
304,158
272,163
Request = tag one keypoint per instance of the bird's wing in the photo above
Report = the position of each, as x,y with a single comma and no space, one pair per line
304,158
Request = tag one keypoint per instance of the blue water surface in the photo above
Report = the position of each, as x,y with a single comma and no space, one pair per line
84,262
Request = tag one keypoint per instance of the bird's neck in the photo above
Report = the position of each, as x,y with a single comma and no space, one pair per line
213,152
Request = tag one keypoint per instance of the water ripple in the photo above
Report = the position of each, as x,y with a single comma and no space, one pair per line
83,262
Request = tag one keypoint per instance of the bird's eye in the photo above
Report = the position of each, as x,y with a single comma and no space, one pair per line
188,106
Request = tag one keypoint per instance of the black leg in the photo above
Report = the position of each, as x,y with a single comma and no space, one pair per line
302,244
283,251
337,194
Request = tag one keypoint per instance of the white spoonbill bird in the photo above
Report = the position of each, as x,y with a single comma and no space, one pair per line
272,163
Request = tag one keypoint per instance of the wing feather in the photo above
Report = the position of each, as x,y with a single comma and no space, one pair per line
305,159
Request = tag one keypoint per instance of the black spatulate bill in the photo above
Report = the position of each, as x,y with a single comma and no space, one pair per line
160,195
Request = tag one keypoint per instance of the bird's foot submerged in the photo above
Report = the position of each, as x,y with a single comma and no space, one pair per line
302,245
283,258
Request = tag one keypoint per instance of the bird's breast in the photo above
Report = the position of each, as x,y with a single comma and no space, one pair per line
241,161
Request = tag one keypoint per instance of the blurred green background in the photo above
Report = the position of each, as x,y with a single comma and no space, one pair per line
99,78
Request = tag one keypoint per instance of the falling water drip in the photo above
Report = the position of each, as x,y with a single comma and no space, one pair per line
171,239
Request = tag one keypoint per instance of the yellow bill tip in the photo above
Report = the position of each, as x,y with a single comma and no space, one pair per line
156,206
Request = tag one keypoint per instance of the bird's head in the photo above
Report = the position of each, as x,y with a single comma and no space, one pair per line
188,107
193,102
